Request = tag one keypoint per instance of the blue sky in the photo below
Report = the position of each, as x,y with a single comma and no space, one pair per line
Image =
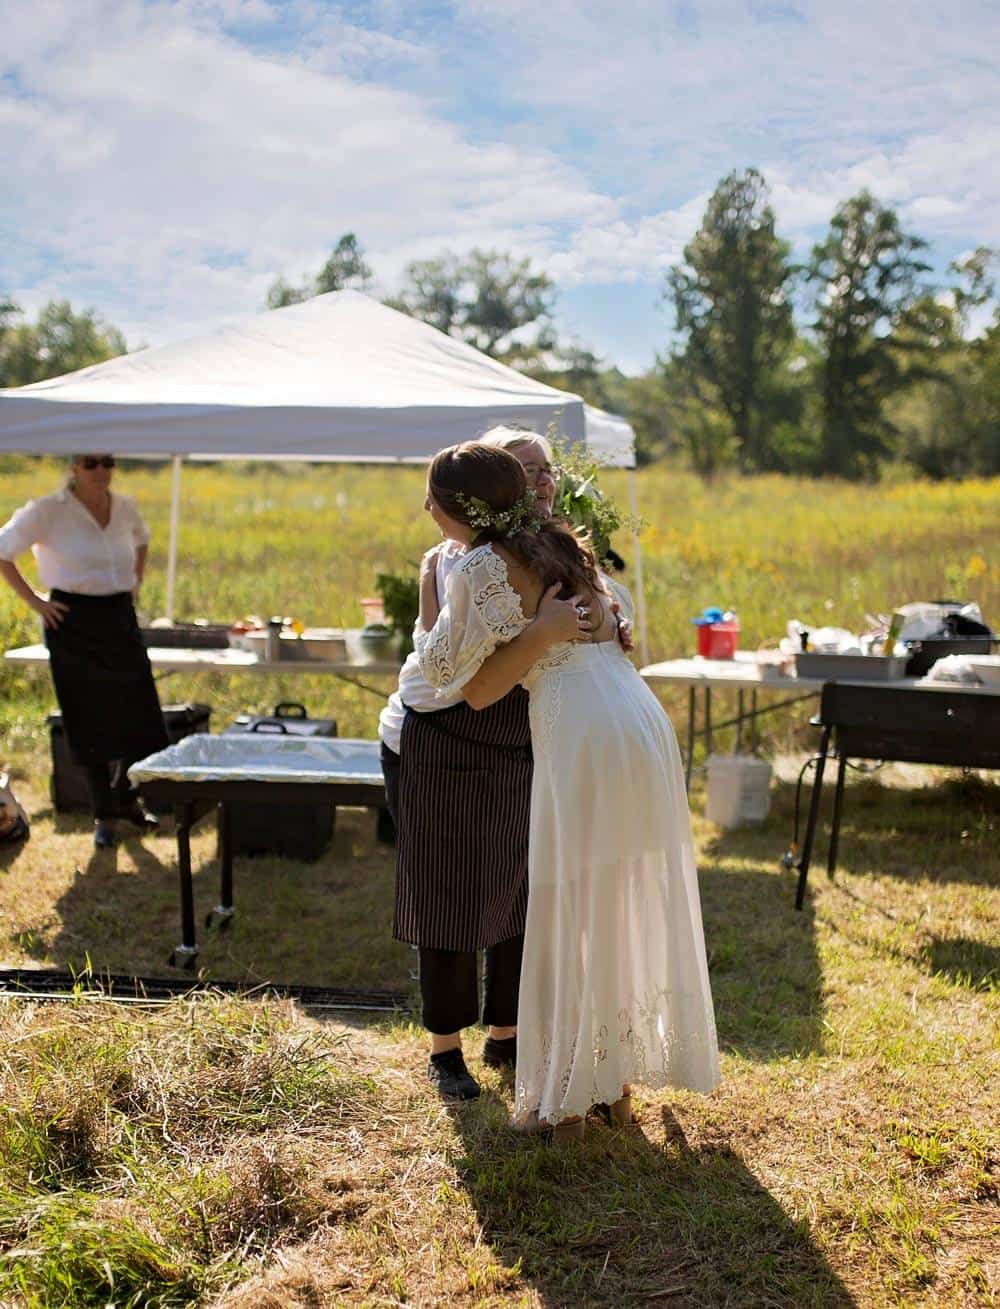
165,161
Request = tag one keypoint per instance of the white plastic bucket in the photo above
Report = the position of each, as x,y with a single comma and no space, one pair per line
738,789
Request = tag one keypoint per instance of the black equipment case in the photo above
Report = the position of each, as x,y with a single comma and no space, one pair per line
296,831
68,787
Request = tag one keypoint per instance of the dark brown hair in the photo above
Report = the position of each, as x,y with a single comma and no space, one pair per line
553,551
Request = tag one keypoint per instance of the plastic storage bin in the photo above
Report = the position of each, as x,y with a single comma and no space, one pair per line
718,640
738,790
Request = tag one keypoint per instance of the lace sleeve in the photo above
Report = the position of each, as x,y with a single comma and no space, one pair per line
481,611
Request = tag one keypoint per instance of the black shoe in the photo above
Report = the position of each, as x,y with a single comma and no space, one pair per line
500,1054
137,814
451,1077
105,836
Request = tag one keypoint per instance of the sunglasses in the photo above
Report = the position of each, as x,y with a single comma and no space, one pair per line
90,462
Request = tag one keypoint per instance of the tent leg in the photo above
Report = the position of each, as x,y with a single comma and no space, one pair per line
640,590
175,513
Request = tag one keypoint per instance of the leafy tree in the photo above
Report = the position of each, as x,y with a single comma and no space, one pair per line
866,279
61,341
484,298
731,303
346,269
976,284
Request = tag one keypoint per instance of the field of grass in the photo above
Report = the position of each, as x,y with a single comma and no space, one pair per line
307,540
252,1156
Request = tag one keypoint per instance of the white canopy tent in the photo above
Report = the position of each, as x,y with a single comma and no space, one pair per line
339,378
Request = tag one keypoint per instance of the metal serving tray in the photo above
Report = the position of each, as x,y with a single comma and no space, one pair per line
851,667
316,644
262,758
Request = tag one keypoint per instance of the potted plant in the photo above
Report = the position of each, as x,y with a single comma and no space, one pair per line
401,600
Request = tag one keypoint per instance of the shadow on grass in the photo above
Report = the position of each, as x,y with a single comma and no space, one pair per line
943,832
630,1219
962,961
763,965
11,851
327,923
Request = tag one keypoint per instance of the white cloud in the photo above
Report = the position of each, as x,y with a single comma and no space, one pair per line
166,160
149,154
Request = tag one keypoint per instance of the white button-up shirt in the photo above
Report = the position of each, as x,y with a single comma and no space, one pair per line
414,691
73,552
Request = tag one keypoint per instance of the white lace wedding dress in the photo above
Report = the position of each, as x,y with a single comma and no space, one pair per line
614,983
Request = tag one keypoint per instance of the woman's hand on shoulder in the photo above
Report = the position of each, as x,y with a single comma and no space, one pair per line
625,637
562,620
428,563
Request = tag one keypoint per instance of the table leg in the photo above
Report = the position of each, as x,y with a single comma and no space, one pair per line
222,914
692,709
814,800
708,723
753,722
739,721
185,954
838,806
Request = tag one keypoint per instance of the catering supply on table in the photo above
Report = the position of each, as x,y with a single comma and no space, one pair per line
966,670
299,830
197,635
282,639
931,630
905,644
718,633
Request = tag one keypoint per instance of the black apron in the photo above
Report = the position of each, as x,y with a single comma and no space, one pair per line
462,836
103,680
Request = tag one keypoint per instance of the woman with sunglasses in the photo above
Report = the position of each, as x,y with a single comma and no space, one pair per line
90,548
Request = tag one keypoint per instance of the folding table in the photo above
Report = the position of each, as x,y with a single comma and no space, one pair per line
202,773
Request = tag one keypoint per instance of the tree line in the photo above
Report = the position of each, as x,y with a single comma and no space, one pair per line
838,365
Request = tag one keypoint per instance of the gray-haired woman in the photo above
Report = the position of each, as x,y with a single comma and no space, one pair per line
90,547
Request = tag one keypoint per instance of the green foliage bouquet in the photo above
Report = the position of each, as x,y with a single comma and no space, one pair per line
581,501
401,600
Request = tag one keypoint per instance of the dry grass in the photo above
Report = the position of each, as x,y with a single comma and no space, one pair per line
232,1154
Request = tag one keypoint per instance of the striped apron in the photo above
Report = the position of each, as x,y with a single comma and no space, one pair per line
462,837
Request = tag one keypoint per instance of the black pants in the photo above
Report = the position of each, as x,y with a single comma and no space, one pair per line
449,981
110,790
449,987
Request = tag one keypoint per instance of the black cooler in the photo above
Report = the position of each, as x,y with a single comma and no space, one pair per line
297,831
69,789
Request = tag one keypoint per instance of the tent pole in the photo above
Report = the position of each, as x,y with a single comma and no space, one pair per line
640,589
175,513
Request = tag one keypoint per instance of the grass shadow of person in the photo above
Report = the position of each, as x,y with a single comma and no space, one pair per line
635,1217
763,963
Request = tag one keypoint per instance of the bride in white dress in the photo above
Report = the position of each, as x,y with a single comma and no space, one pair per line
614,981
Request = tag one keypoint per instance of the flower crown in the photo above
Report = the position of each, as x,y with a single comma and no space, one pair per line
522,516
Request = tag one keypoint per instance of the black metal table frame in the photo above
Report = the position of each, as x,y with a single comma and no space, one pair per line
743,716
955,741
191,801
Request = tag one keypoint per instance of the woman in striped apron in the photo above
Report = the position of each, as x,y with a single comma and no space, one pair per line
458,783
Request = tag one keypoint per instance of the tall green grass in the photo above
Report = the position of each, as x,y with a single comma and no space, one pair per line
306,540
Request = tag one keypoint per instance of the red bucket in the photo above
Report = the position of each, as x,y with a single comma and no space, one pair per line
718,640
